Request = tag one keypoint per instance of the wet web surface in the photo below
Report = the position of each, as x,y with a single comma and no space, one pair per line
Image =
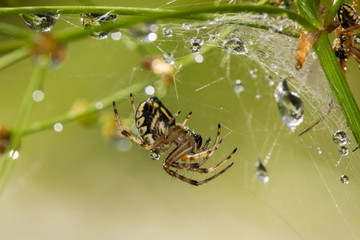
238,69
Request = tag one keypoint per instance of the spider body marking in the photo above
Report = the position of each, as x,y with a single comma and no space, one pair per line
159,132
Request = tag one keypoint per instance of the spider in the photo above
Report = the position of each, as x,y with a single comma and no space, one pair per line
159,132
346,22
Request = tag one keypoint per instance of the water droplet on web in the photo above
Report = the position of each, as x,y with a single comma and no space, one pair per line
195,44
277,27
14,154
212,37
92,20
154,155
199,58
186,26
151,37
116,35
356,39
40,22
340,138
38,95
123,144
290,105
99,105
153,27
58,127
235,46
167,32
258,96
319,150
169,58
270,80
238,86
253,73
149,90
344,151
344,179
261,173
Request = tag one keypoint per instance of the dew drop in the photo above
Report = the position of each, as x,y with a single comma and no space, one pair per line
199,58
340,138
238,86
270,80
40,22
344,151
14,154
116,35
92,20
38,95
151,37
319,150
261,173
123,145
356,39
344,179
154,155
290,105
258,96
235,46
169,58
195,44
253,73
167,32
58,127
212,37
99,105
186,26
149,90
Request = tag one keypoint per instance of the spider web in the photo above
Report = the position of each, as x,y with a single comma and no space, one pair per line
304,197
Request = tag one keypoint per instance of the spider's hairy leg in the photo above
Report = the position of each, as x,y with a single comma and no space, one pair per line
133,103
186,119
174,117
126,133
355,53
194,167
191,181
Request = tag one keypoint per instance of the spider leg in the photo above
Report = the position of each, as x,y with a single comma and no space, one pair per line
133,103
127,134
191,181
355,53
186,119
343,65
194,167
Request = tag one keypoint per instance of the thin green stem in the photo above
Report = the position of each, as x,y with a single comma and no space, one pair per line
329,18
15,32
24,115
13,57
338,84
91,108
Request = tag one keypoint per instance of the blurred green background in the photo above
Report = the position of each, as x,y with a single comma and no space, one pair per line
76,184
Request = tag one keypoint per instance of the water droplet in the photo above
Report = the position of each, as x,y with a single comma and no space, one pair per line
153,27
154,155
212,37
123,144
186,26
319,150
150,90
195,44
91,20
199,58
58,127
99,105
290,105
344,151
340,138
270,80
40,22
151,37
253,73
344,179
14,154
235,46
238,86
261,173
277,27
38,95
356,39
167,32
258,96
169,58
116,35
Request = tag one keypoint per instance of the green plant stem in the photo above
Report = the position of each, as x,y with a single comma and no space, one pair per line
307,9
91,108
24,115
338,84
199,13
13,57
15,32
329,18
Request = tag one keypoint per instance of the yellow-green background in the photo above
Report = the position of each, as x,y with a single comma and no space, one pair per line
77,185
